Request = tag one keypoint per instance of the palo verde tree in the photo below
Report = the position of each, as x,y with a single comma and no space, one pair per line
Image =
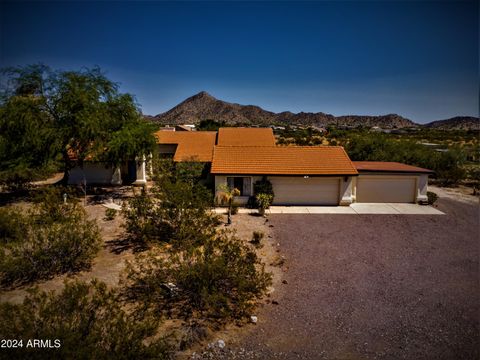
72,115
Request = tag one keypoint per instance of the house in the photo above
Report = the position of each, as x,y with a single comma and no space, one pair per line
300,175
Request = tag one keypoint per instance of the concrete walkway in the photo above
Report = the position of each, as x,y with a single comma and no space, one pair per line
357,208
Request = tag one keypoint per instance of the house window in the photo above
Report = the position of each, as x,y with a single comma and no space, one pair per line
244,184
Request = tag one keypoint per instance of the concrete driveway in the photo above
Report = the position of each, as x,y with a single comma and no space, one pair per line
357,208
363,286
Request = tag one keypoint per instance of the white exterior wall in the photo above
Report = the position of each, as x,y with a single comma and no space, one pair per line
141,171
422,189
346,190
93,173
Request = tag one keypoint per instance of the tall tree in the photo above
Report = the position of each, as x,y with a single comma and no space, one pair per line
83,113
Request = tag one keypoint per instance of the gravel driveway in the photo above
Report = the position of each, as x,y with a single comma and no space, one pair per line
374,287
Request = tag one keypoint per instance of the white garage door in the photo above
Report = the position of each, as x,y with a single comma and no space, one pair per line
386,189
305,191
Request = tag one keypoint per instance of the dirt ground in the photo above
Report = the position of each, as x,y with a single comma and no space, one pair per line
110,261
350,287
373,287
106,267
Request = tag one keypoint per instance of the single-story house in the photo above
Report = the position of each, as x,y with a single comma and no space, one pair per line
300,175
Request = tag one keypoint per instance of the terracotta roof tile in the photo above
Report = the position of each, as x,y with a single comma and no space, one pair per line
385,166
282,160
192,145
245,137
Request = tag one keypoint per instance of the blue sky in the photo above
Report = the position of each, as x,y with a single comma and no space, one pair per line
417,59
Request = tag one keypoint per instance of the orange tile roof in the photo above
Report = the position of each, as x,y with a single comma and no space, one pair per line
245,137
282,160
192,145
385,166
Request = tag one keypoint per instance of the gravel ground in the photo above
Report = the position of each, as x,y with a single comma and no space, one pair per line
372,287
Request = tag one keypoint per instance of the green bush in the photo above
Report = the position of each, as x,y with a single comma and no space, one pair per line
234,210
263,186
448,166
110,214
257,238
178,213
11,225
432,197
48,247
217,282
87,320
264,200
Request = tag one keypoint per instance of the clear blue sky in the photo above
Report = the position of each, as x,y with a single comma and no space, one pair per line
417,59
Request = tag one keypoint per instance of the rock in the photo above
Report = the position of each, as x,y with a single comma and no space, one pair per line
274,302
254,319
284,282
221,344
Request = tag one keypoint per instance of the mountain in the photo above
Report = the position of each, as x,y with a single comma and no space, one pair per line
203,106
456,123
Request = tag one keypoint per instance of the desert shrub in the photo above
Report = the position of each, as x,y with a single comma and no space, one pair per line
432,197
264,200
263,186
165,169
234,209
216,282
49,203
110,214
257,238
88,321
189,171
448,166
11,225
176,212
48,247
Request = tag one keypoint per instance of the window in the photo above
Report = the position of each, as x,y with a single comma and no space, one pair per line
244,184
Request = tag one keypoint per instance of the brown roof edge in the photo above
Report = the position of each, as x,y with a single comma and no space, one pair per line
388,166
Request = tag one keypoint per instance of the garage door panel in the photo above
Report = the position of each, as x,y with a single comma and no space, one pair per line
386,189
305,191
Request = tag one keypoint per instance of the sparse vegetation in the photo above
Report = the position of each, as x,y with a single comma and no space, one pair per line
226,195
49,239
88,322
257,238
217,282
110,214
175,212
432,197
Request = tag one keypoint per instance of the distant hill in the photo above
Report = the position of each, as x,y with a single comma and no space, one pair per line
456,123
203,106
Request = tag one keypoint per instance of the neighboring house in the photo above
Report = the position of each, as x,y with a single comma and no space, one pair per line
184,127
300,175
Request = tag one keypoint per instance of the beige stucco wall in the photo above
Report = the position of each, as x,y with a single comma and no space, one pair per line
345,188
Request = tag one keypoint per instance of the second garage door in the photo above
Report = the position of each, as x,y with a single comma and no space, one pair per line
386,189
305,191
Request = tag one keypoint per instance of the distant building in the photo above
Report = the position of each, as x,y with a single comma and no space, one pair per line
184,127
